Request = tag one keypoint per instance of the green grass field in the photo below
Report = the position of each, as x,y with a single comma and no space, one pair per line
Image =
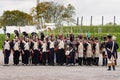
91,29
98,31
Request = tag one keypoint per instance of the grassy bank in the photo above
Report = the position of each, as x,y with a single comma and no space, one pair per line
98,31
91,29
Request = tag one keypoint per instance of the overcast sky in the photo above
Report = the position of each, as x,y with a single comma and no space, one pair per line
86,8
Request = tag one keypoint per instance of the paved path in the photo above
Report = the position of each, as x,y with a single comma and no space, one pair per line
57,72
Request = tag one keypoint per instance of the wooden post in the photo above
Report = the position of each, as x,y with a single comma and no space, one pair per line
37,2
82,21
102,20
91,21
114,20
77,21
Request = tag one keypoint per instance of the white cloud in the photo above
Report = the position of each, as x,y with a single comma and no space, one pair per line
87,8
23,5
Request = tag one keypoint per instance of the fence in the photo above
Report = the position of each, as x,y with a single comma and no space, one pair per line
80,21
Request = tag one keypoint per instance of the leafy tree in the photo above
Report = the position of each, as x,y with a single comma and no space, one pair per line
16,18
50,12
69,12
0,22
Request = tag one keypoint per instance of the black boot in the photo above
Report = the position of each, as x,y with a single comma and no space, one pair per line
109,68
113,68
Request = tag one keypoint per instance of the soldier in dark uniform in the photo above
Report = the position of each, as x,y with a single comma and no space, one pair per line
93,50
51,54
85,49
80,51
67,50
103,51
61,52
40,51
36,53
26,51
111,48
22,39
7,49
89,52
73,51
22,49
56,50
44,51
16,50
116,54
31,49
67,53
97,51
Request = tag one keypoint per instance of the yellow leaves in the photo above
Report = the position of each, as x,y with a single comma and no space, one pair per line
16,18
48,12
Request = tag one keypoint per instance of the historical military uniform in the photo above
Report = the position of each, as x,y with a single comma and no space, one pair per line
16,49
104,52
22,40
73,52
36,53
44,52
116,54
111,48
85,51
56,50
6,49
26,51
51,54
22,50
89,53
61,54
93,50
97,53
80,53
31,51
70,45
68,54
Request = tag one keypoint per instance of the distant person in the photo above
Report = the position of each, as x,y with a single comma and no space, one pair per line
80,51
103,51
16,50
89,53
97,51
116,48
67,53
26,51
51,49
61,52
44,51
36,53
111,48
6,49
85,51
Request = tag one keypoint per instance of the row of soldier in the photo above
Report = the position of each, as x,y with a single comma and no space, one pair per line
50,50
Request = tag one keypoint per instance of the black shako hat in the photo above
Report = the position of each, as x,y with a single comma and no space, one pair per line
109,36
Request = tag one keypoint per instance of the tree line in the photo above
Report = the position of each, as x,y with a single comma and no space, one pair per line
44,12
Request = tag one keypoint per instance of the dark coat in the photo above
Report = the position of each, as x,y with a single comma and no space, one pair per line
109,46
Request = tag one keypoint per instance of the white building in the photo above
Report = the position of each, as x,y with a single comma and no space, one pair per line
28,29
10,29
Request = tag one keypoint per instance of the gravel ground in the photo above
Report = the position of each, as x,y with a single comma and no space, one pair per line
57,72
